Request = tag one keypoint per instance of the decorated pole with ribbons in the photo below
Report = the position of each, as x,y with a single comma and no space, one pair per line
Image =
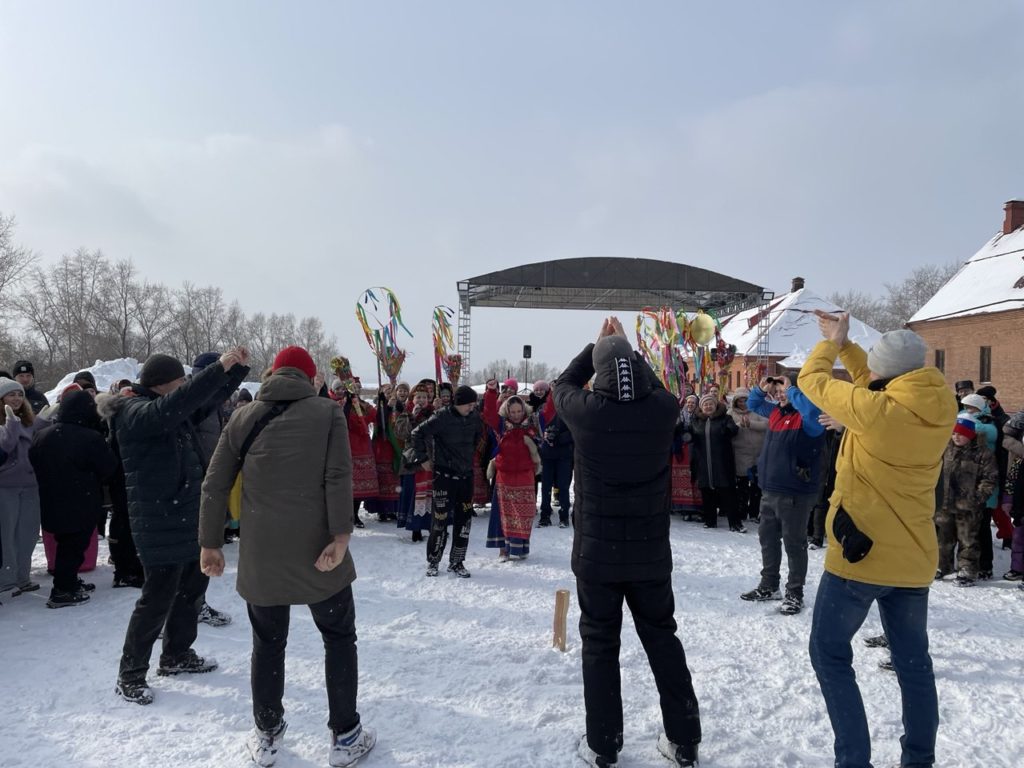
665,339
444,343
383,339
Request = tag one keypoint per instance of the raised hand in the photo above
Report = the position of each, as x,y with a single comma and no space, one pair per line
229,359
835,328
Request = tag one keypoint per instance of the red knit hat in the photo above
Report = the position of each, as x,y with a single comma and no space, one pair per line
295,357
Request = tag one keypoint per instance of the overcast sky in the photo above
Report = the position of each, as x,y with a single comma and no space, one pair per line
296,153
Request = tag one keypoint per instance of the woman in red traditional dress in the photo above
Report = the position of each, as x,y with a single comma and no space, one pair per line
360,415
514,467
686,498
387,450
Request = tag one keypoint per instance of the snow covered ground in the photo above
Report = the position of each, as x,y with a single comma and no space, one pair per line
461,674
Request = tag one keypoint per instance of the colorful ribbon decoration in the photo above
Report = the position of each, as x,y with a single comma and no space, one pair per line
444,343
665,339
384,339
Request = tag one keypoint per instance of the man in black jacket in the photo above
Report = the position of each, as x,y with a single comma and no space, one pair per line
623,433
164,470
25,374
455,431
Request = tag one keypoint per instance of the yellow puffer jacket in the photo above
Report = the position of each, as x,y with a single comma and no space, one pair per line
888,465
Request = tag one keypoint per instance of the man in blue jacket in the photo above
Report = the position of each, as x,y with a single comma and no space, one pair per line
790,471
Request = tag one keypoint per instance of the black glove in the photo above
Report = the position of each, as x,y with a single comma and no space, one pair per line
855,544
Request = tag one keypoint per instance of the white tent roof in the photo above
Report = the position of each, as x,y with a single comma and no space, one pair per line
793,332
992,281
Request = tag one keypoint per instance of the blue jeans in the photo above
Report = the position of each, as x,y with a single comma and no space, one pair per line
839,611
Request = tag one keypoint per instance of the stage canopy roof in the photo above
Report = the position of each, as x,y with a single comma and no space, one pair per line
609,284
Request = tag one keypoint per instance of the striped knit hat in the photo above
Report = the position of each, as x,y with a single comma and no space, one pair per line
708,399
965,426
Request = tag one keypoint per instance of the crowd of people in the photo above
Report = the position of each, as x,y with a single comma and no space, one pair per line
172,467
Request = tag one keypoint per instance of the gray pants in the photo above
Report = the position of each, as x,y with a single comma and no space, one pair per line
19,531
784,521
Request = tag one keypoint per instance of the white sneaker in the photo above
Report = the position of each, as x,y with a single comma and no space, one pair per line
347,748
680,755
263,745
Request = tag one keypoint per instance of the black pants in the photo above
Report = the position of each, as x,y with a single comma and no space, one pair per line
171,598
69,558
717,500
452,496
816,521
652,605
748,495
555,472
122,546
985,553
335,617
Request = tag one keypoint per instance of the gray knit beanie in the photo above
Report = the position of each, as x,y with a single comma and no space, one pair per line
896,353
10,385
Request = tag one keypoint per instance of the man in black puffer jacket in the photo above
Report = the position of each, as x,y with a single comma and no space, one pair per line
455,431
623,433
163,471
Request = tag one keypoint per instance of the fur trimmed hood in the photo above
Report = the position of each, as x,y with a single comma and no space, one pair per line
503,408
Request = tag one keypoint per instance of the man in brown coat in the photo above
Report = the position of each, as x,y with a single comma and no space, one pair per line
297,515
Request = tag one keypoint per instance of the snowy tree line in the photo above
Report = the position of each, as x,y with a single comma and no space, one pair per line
524,371
88,307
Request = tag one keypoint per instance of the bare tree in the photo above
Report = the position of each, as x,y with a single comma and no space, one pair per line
310,335
34,313
903,299
863,306
232,331
186,339
261,346
118,309
152,305
518,370
66,300
15,260
208,317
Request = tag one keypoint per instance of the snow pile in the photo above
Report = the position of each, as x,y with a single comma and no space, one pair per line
108,372
991,281
461,674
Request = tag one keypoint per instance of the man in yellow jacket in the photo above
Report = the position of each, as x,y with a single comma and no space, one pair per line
899,416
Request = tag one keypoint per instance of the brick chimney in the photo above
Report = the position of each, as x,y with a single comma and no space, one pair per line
1014,216
798,282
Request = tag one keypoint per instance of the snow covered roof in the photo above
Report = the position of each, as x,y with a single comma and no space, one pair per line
991,281
793,332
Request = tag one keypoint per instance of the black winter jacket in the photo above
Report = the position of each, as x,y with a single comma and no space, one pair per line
454,437
36,399
163,465
72,460
714,462
621,514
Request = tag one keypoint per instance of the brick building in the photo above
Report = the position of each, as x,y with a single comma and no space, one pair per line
974,324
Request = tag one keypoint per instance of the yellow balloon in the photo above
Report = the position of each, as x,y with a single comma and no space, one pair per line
702,328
